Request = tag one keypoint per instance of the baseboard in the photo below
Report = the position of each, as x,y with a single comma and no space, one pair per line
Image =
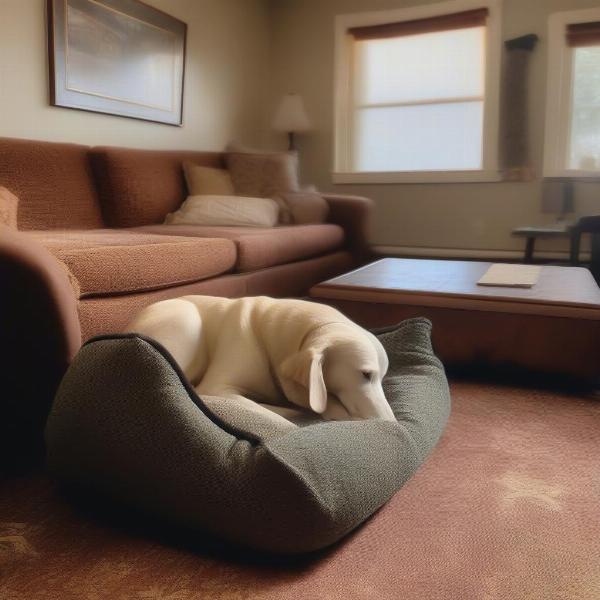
480,254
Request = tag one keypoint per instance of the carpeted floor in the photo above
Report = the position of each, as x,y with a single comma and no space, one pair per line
507,507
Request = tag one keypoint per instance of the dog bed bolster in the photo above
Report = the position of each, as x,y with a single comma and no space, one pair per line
127,424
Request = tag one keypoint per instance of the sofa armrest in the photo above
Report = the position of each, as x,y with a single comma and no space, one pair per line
354,214
40,335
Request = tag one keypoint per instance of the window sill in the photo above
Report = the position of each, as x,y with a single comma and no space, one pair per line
592,176
366,177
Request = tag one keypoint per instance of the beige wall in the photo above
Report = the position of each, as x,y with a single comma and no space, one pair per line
242,55
475,217
225,80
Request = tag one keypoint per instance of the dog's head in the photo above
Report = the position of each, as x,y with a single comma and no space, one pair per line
338,373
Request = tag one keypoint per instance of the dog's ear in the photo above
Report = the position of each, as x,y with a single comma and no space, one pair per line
306,369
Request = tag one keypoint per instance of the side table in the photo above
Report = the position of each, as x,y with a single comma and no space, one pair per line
532,233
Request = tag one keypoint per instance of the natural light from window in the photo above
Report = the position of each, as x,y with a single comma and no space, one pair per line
572,134
419,102
584,152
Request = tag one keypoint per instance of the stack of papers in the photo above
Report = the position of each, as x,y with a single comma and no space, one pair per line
524,276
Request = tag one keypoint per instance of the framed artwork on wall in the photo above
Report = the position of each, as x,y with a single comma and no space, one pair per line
120,57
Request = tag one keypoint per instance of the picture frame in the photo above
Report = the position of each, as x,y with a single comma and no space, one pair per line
118,57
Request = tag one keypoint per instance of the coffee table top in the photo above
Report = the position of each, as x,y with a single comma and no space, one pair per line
559,292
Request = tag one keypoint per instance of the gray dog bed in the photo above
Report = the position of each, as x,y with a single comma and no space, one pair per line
127,424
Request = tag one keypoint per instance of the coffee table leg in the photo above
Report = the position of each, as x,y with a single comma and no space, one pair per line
529,247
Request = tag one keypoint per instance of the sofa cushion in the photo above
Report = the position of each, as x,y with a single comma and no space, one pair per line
53,182
263,174
140,187
207,180
107,262
258,248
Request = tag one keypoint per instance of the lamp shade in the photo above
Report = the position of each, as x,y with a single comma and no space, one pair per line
291,115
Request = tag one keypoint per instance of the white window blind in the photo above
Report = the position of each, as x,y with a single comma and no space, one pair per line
584,151
572,144
584,142
418,100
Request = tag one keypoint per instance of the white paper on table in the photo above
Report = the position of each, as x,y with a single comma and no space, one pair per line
511,275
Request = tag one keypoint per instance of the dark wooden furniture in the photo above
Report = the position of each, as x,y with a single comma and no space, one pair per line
589,225
572,232
532,233
553,327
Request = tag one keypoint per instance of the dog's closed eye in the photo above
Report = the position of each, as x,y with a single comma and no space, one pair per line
368,375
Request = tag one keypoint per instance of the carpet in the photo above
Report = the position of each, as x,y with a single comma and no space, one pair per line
506,507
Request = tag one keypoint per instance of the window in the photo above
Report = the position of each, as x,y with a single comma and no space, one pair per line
415,99
573,112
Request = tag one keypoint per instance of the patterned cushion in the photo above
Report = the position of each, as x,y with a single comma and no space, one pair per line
127,425
265,175
207,180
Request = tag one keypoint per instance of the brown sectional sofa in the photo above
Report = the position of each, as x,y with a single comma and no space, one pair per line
90,250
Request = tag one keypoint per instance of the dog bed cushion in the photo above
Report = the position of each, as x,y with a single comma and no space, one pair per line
128,425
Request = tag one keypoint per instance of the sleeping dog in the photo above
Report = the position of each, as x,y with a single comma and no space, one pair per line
272,354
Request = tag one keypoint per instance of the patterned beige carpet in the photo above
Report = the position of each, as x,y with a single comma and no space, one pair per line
507,507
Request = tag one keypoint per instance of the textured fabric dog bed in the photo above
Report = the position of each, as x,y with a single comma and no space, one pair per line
127,424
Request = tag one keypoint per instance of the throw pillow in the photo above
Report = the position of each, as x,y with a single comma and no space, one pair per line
207,180
263,175
305,207
236,211
8,208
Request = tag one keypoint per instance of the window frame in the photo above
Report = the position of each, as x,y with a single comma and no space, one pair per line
344,90
558,105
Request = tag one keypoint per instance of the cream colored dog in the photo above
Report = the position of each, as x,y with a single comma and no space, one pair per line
266,350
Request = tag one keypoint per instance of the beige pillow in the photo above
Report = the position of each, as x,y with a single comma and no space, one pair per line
303,208
263,175
207,180
9,204
236,211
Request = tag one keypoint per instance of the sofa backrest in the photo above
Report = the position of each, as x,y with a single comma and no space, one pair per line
54,184
139,187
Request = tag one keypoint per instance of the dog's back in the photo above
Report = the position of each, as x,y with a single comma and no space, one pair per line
233,343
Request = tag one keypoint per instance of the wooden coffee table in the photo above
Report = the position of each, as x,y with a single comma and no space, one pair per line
553,327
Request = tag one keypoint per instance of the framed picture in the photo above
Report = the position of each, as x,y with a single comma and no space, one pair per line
120,57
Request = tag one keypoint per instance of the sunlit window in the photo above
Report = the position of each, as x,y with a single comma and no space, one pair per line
584,151
419,101
572,147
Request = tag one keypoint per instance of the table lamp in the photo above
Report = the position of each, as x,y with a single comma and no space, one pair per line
291,117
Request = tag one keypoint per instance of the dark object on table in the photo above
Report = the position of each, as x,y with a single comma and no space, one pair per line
119,57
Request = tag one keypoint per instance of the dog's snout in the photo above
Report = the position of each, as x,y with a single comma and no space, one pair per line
382,408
